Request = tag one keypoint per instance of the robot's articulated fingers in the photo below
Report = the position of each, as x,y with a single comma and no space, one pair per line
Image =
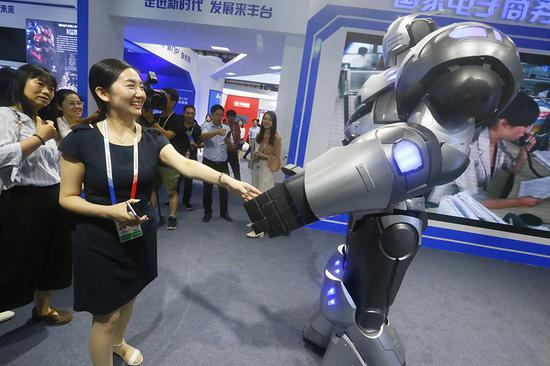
376,170
281,209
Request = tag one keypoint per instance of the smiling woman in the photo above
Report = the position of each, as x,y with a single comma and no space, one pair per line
70,107
115,251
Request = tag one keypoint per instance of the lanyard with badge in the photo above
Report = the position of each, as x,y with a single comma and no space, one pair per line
125,233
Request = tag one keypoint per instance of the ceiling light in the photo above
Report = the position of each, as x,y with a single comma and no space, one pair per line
218,48
275,67
230,73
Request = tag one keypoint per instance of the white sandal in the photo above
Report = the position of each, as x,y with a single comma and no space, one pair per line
252,234
6,315
133,360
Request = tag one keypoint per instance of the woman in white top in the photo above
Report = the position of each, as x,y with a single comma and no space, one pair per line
35,235
70,107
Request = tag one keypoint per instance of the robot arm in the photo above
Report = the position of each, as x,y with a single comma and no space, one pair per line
375,171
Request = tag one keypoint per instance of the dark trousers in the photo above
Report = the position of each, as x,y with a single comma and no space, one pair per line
187,183
35,244
247,151
207,188
233,158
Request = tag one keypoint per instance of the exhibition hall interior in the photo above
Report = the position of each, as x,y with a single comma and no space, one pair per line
275,182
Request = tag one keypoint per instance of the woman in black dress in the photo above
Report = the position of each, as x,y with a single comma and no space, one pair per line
114,248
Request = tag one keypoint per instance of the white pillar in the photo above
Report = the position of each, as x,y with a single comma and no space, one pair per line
105,38
288,87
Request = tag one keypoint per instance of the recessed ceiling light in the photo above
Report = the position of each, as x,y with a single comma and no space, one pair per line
275,67
218,48
230,73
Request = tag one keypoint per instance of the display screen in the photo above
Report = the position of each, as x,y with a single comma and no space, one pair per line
12,44
504,187
53,45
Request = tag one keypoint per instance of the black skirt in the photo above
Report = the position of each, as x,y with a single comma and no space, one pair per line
35,244
108,273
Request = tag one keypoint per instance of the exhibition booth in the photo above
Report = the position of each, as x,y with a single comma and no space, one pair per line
318,45
323,59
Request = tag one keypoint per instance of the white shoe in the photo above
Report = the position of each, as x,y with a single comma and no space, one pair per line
249,225
135,358
252,234
6,315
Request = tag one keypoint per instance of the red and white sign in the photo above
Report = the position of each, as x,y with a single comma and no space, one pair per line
241,104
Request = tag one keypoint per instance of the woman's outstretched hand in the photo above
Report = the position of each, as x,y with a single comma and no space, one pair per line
242,189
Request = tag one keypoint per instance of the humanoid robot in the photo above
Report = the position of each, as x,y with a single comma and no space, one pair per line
410,132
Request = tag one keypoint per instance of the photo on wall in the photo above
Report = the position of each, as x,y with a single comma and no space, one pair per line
511,186
362,58
510,191
54,45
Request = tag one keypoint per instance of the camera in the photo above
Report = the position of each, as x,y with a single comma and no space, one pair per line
156,99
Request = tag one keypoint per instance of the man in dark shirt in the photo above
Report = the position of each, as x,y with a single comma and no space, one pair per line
170,125
193,132
233,148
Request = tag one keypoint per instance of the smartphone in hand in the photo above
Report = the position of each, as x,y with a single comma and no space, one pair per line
137,209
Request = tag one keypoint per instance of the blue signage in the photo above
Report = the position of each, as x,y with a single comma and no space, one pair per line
216,7
7,9
524,11
177,50
214,97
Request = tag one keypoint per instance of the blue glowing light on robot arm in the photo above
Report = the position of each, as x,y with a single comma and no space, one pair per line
407,156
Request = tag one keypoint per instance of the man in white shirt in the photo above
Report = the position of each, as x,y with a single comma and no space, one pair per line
216,137
252,133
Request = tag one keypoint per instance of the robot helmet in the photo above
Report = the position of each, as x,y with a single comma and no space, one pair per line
403,34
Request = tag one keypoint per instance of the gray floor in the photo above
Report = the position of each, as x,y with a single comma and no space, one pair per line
224,299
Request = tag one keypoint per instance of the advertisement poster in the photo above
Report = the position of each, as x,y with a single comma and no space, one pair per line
53,45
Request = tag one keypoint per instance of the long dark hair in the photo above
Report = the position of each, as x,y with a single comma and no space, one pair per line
273,130
60,97
103,74
22,75
7,74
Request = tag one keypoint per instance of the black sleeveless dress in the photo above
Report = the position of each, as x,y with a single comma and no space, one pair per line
108,273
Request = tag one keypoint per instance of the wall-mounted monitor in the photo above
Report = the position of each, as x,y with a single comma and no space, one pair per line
12,44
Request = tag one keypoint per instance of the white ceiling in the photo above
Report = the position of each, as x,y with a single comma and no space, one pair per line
263,49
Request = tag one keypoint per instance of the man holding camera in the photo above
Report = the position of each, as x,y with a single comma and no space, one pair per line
216,137
171,126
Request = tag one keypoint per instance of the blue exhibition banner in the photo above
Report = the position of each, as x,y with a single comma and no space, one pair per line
214,97
53,45
521,11
230,8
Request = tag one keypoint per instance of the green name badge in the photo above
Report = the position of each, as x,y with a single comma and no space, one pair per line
126,233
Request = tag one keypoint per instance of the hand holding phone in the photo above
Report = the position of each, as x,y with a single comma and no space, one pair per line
137,209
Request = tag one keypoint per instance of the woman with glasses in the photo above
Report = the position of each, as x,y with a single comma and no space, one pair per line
70,107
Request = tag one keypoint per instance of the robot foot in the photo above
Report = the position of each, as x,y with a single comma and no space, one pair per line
318,331
354,348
